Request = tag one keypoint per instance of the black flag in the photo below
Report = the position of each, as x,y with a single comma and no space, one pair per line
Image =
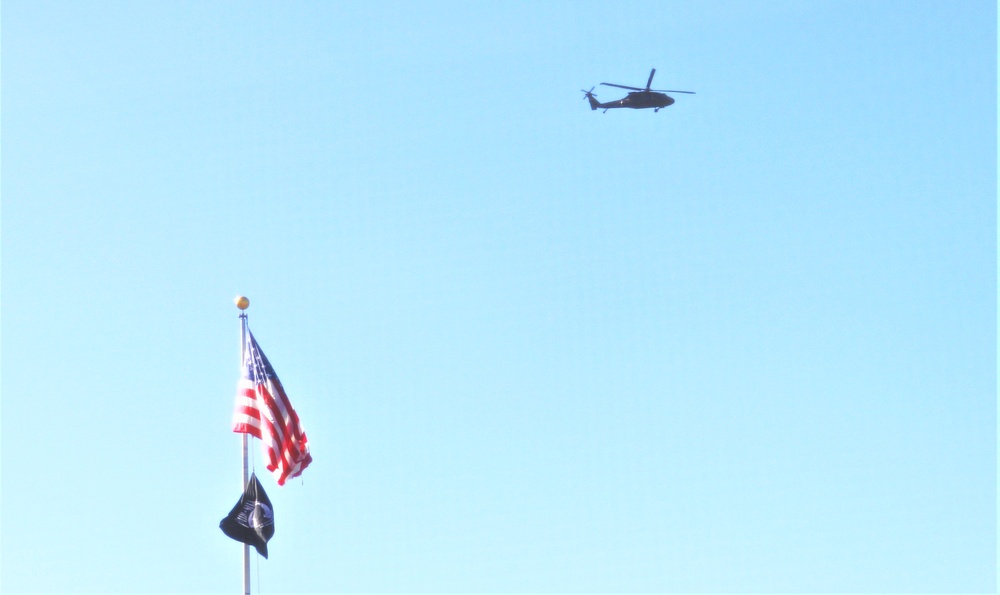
251,521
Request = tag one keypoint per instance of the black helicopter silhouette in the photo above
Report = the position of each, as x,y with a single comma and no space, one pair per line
637,99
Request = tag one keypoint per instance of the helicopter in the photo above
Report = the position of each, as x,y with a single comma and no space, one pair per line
637,99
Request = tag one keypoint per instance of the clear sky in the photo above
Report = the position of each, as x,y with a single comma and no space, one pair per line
745,344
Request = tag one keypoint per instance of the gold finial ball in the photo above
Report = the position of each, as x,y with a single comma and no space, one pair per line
242,302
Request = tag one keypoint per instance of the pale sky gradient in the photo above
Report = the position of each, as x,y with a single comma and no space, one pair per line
745,344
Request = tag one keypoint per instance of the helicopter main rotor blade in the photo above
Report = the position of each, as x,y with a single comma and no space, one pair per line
650,81
651,90
623,86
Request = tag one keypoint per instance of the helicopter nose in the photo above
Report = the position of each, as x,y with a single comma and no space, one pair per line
670,101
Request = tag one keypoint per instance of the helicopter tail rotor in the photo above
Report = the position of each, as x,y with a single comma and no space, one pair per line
589,95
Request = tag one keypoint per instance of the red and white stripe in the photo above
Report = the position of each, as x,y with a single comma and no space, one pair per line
263,411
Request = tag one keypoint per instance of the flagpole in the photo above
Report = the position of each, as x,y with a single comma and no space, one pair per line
243,303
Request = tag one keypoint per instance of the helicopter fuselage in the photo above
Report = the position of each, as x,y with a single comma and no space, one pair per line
634,100
642,100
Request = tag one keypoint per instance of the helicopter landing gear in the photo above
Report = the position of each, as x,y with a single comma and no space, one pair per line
656,110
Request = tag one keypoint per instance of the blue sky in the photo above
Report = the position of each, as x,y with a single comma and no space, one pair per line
745,344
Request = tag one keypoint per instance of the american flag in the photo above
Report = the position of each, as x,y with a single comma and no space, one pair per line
263,411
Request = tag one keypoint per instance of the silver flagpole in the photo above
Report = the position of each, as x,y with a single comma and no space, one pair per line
243,303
